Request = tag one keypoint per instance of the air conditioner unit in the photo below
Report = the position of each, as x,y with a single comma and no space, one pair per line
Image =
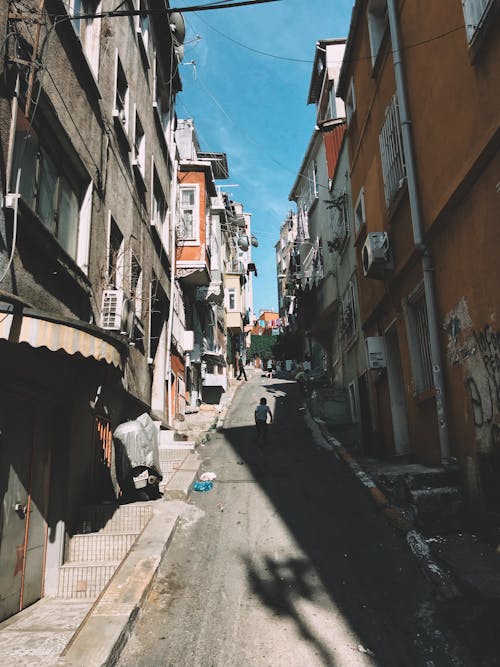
376,255
117,313
188,341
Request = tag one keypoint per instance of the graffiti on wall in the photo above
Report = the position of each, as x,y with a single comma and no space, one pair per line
477,350
486,396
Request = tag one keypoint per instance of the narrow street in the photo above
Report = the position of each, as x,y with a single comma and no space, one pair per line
284,562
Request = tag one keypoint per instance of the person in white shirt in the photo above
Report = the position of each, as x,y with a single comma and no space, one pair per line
261,413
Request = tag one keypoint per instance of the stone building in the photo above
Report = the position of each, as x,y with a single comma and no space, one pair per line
86,122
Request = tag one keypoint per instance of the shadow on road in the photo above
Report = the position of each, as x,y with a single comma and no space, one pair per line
357,560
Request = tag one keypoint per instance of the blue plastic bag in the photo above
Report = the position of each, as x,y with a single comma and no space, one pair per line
203,486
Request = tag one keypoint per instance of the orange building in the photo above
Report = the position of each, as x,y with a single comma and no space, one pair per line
265,323
423,107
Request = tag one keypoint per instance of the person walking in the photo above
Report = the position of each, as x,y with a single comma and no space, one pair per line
241,367
261,413
270,368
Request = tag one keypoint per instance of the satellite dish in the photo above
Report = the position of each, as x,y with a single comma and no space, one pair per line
255,241
178,27
243,243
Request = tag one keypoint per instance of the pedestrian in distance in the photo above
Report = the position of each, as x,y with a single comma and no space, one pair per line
270,368
261,413
241,367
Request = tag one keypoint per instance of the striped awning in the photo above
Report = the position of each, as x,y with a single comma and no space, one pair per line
38,332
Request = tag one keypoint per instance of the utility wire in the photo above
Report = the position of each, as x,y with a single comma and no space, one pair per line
152,12
338,62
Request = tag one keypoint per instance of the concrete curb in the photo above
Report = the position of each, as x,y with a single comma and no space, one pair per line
445,586
221,418
103,633
179,485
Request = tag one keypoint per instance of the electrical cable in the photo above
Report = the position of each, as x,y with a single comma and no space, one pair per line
338,62
170,10
14,229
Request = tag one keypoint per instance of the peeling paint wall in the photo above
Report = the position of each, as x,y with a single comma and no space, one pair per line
477,350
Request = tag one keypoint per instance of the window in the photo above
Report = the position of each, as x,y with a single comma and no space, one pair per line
143,28
160,96
359,211
121,110
158,204
331,111
348,317
340,223
52,188
420,347
136,285
231,298
350,103
391,152
87,29
189,213
475,12
139,149
377,22
116,255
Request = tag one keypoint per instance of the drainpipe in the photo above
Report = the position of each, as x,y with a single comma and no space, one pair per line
416,219
12,137
173,213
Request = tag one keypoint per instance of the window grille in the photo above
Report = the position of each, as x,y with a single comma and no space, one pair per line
340,226
348,324
391,152
377,23
420,343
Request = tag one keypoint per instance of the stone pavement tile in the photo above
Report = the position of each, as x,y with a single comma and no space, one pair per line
38,634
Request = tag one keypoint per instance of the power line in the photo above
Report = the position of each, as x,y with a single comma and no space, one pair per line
249,48
114,13
338,62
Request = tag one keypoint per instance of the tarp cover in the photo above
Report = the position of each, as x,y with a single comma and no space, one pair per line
136,444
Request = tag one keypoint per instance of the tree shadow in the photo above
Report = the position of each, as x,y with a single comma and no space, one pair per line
364,567
280,585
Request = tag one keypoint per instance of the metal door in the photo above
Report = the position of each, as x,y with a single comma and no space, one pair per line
26,431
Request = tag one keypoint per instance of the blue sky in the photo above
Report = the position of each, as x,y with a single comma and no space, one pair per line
253,107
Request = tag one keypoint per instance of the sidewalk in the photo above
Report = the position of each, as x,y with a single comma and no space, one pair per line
457,563
57,632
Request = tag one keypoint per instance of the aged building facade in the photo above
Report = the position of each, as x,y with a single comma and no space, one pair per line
86,120
423,154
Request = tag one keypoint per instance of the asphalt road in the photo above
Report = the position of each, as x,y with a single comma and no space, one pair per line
284,562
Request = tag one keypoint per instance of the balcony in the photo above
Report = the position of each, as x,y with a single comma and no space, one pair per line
212,293
193,272
234,321
235,266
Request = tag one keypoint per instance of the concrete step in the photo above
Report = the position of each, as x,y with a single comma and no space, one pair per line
177,451
397,481
99,547
114,518
178,486
438,510
82,580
